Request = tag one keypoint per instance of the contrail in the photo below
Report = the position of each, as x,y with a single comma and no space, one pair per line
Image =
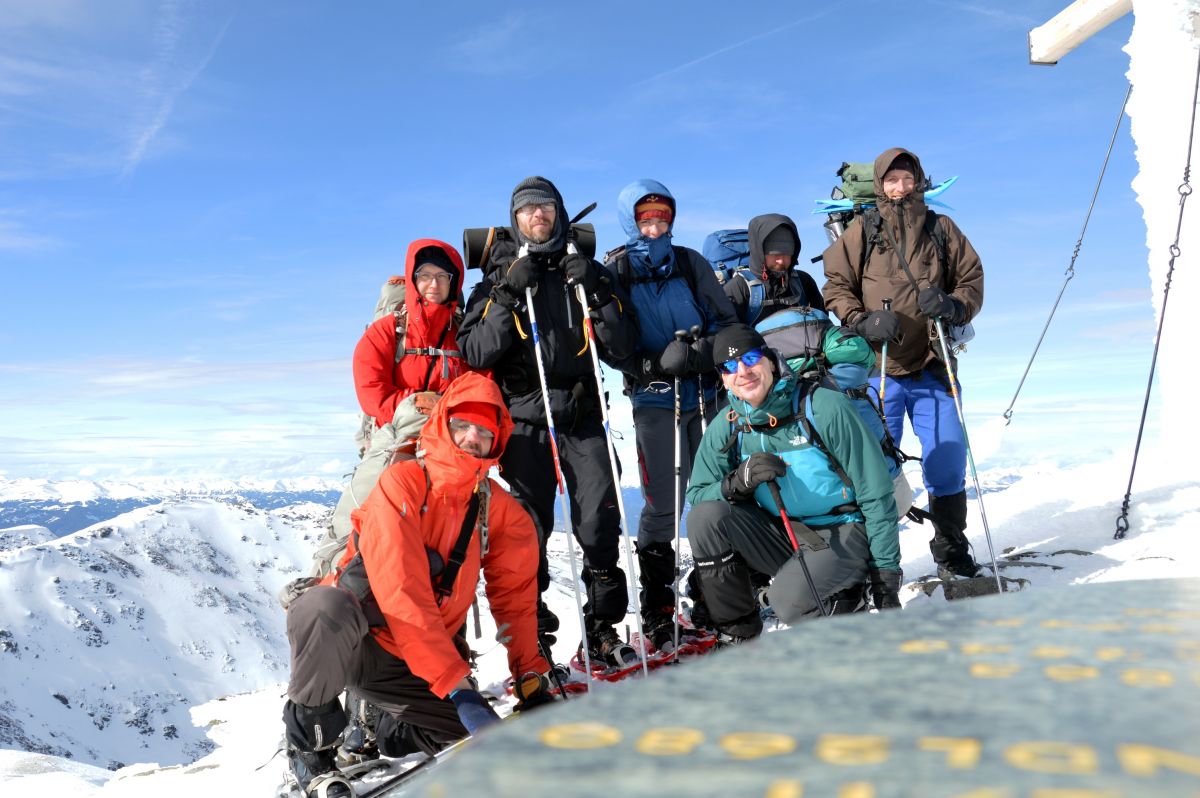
729,47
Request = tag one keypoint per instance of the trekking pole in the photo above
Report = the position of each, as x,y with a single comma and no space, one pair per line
695,336
562,491
680,335
773,486
612,462
887,305
987,532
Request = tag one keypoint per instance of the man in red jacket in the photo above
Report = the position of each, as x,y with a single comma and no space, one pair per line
387,621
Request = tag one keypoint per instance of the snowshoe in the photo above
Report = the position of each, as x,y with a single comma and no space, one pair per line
606,646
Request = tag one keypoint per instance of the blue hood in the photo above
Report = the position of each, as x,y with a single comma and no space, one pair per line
645,255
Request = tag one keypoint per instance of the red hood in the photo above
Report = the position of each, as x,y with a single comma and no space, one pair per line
451,470
425,320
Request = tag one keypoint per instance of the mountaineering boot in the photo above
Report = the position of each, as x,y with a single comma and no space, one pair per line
358,740
844,602
657,562
312,735
606,646
949,547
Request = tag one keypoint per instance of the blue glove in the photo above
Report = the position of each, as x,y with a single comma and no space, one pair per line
473,710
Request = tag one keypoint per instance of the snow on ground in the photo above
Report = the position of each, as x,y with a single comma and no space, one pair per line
1035,508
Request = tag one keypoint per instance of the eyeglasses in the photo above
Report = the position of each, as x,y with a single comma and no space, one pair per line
546,208
458,425
750,358
428,277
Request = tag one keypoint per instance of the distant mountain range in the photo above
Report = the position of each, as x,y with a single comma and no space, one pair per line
110,634
66,506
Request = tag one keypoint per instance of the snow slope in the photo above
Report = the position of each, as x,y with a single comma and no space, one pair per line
109,636
1040,508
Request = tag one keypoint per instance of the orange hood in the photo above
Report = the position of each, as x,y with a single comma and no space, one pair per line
451,470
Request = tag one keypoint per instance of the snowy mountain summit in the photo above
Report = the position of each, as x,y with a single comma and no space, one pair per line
110,635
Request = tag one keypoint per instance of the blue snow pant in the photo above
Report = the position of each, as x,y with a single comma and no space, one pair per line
925,398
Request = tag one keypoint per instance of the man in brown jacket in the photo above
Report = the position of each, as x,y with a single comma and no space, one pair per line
903,252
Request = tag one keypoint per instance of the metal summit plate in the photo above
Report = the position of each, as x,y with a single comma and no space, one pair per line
1078,692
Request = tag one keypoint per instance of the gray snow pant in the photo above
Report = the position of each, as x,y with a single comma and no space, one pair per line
729,541
332,650
528,467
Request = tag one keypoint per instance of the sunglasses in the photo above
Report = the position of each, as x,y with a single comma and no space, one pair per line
750,358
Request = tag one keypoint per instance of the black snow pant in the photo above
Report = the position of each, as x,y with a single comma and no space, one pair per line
730,542
528,467
332,649
655,431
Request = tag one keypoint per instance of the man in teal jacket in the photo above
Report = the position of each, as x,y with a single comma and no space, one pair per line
832,477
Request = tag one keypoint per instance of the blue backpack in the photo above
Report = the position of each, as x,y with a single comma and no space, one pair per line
728,251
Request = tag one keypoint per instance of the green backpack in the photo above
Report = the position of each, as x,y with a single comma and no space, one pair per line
858,182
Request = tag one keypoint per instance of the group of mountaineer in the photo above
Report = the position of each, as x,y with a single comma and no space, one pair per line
793,505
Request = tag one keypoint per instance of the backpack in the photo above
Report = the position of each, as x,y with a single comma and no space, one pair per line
391,300
728,252
840,359
858,183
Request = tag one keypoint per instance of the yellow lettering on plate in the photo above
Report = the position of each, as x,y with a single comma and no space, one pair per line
784,788
580,736
1145,760
994,670
669,741
757,745
1049,756
1072,792
961,752
1143,612
1105,626
923,646
1052,652
1159,629
971,649
1052,624
852,749
1110,653
857,789
1147,677
1071,673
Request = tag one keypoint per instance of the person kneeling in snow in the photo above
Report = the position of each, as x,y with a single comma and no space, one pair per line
811,442
387,621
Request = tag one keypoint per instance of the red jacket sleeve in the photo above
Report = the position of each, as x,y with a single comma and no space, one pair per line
510,578
374,371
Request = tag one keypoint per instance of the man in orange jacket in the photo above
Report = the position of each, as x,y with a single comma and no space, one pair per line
387,621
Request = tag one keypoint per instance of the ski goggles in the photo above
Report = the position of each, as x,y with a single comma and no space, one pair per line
749,359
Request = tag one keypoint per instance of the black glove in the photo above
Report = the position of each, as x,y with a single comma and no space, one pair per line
885,588
532,691
739,484
937,304
679,359
582,270
522,273
878,325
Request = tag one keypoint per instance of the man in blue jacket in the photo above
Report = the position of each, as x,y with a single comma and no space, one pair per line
672,289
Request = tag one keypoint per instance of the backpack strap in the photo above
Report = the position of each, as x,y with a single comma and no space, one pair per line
757,293
444,585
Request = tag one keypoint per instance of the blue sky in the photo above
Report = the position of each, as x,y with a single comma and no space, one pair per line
199,199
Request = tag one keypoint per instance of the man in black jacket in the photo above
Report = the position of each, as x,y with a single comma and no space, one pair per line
777,282
496,335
